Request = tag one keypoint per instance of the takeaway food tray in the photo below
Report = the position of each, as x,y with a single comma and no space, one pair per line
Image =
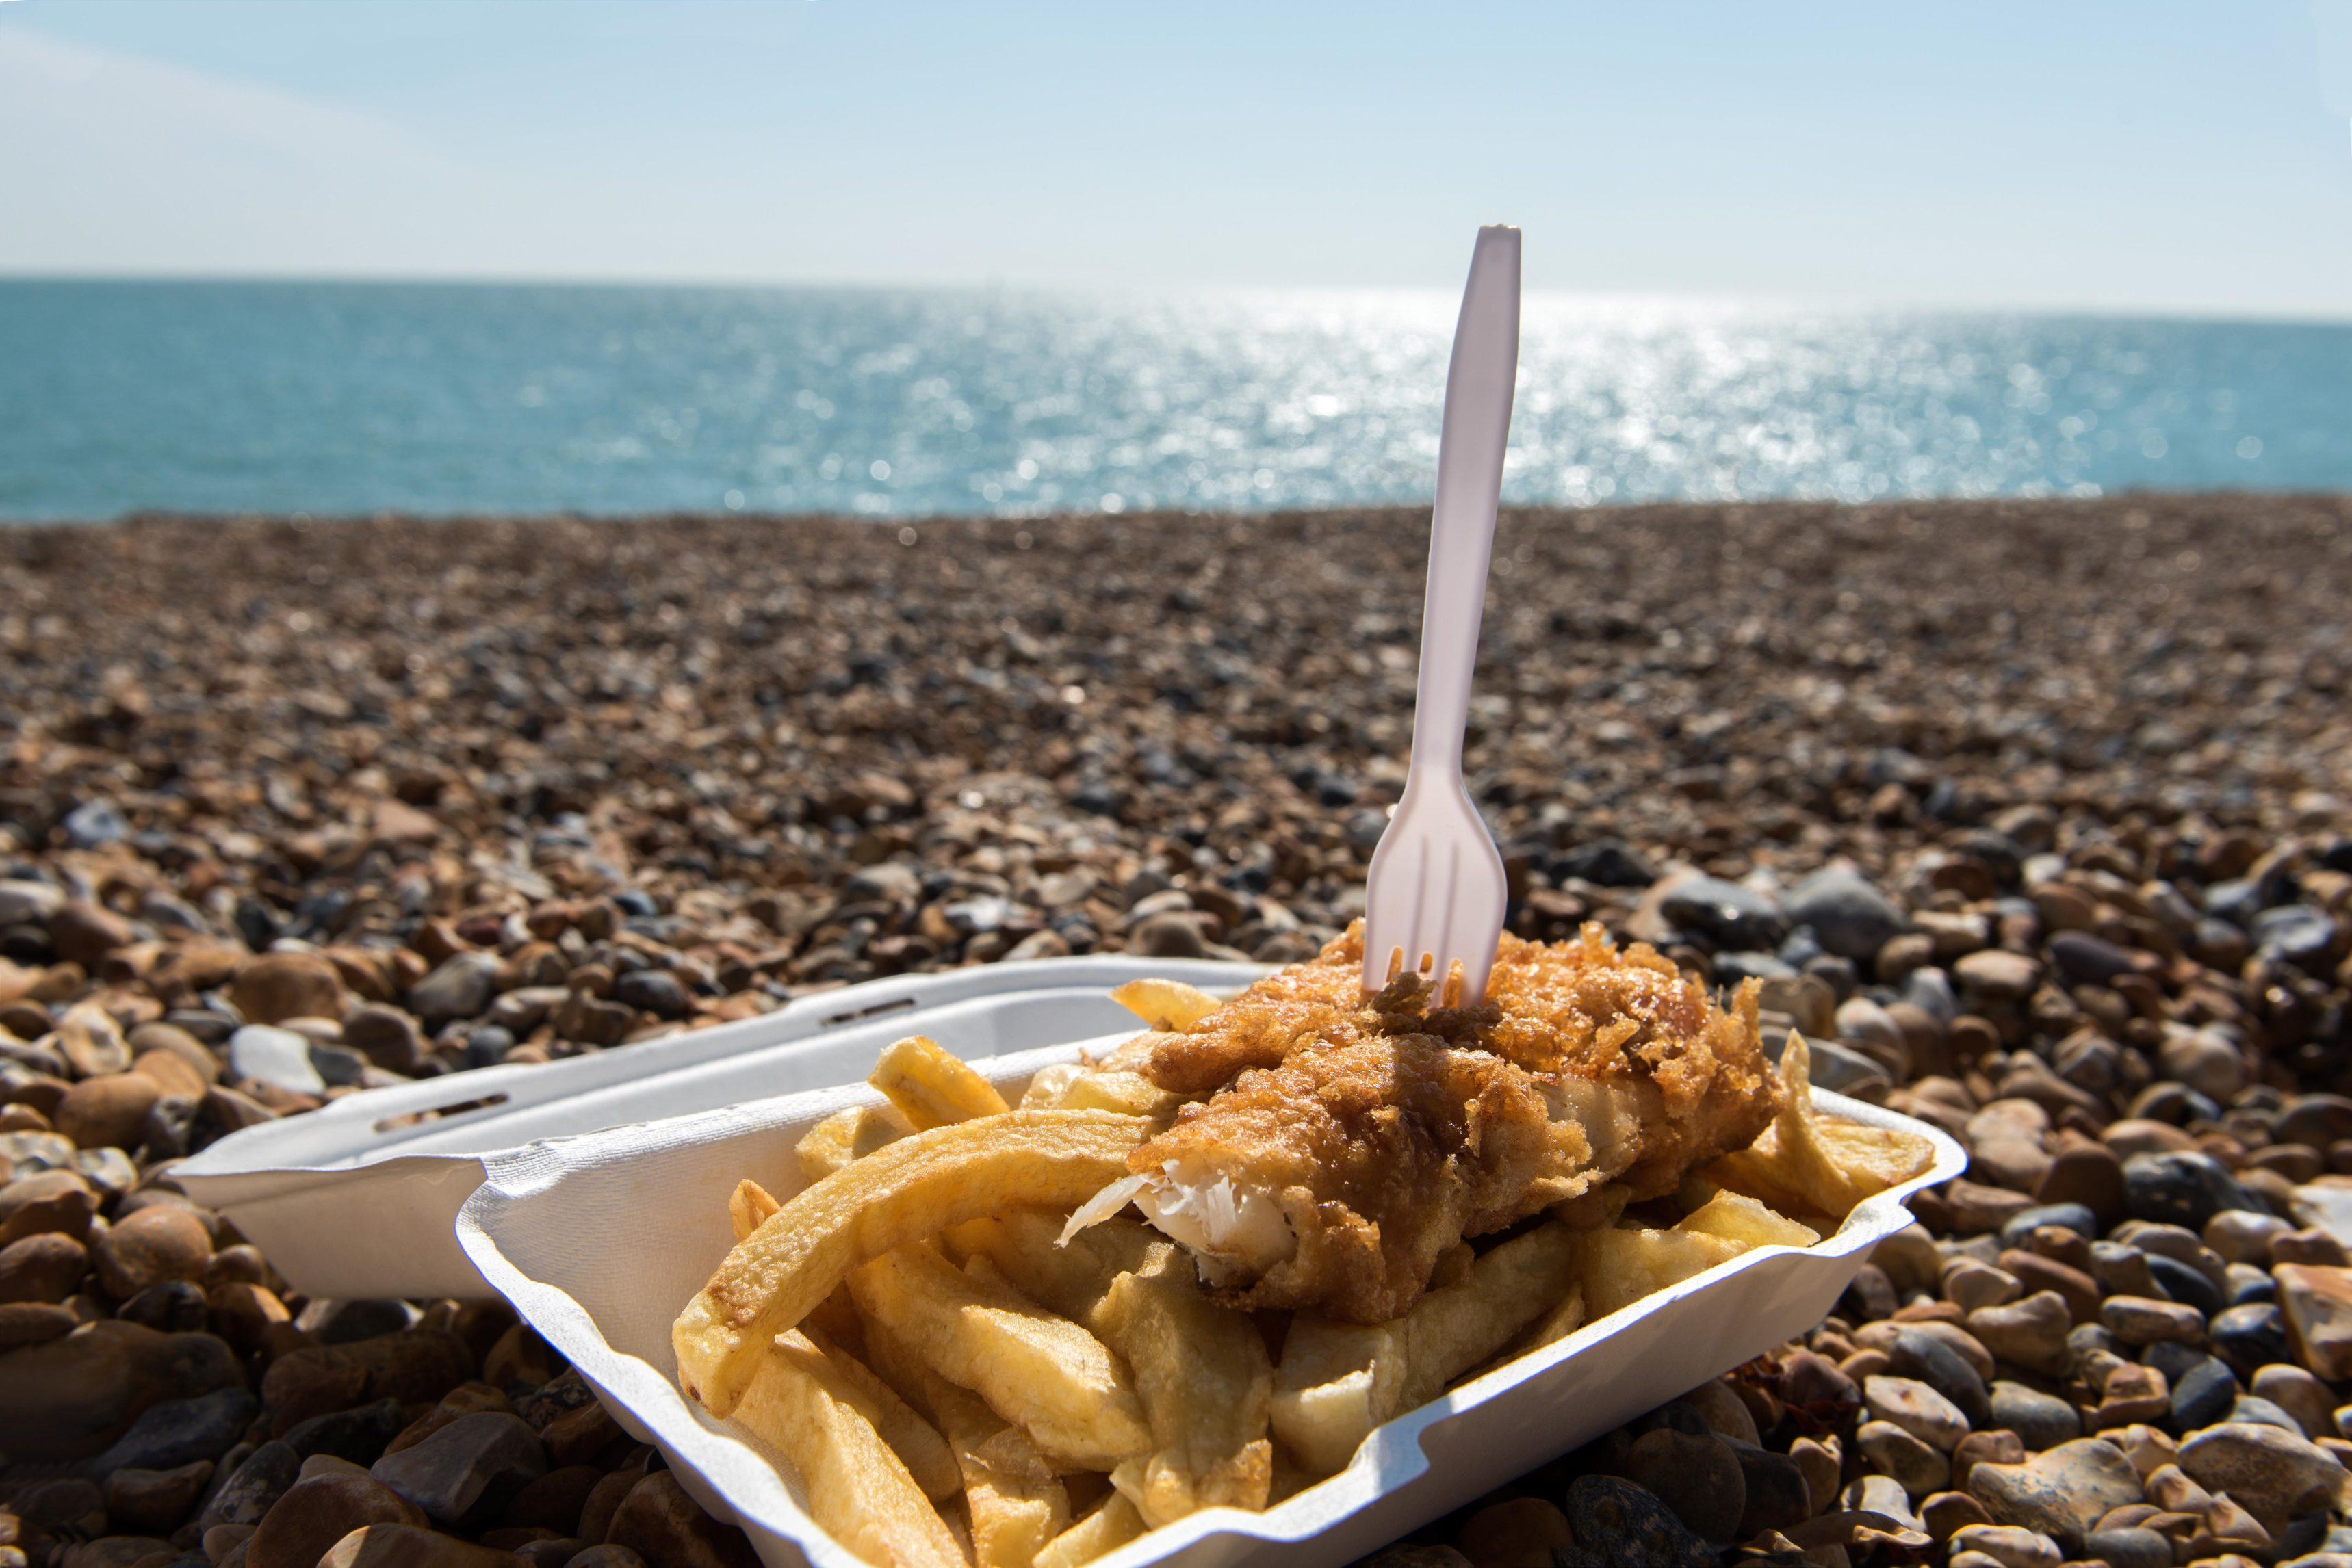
599,1240
359,1198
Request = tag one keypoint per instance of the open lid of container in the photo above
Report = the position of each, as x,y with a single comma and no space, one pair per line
359,1198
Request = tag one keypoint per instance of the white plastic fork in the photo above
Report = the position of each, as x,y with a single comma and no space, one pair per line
1434,897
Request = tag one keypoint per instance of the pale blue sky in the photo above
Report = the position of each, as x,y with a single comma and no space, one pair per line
2136,156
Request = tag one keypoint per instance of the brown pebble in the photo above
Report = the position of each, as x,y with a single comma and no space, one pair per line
1523,1532
315,1513
1947,1511
1994,1448
42,1268
2313,1246
1820,1460
406,1546
2035,1272
661,1523
2087,1174
108,1112
151,1247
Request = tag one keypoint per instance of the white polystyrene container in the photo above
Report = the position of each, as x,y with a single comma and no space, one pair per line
359,1198
600,1240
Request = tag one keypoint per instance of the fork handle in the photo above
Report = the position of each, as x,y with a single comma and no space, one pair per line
1477,428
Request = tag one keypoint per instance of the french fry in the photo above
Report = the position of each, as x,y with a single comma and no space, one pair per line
798,1403
916,1441
1015,1500
1200,1369
1043,1373
1614,1268
1806,1161
1336,1381
749,1206
844,1136
1108,1089
931,1088
1743,1218
1106,1530
1165,1006
1558,1324
1048,1084
904,1192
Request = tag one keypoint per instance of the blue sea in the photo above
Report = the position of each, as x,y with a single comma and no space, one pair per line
352,398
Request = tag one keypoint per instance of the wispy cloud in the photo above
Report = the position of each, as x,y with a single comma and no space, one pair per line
113,161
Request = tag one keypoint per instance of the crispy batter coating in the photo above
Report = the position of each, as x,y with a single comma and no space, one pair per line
1386,1130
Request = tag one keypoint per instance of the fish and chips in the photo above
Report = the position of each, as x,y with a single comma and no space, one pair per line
1200,1271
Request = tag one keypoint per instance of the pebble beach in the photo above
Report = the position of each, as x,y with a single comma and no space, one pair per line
2035,815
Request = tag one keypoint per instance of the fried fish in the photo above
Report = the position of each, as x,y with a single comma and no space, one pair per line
1346,1143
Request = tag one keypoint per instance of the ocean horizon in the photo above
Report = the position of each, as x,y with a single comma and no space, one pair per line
433,397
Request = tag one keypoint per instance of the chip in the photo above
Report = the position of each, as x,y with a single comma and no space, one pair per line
930,1088
1015,1500
1337,1381
1166,1005
1103,1531
1806,1162
1038,1370
904,1192
1617,1268
1742,1219
856,1487
844,1136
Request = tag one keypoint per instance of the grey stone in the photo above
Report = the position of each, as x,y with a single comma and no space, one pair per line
460,987
1848,915
255,1484
466,1468
1724,914
1617,1524
180,1432
2040,1420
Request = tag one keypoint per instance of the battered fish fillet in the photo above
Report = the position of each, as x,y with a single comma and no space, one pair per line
1347,1142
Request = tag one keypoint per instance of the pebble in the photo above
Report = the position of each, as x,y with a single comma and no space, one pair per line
471,1465
1846,914
317,1511
2141,1320
2180,1189
1891,1451
2251,1336
2040,1420
2061,1492
275,987
2202,1396
2029,1333
1913,1352
406,1546
2301,1395
252,1486
151,1247
277,1057
2130,1547
2009,1545
1916,1409
1615,1523
1522,1532
154,1502
1699,1478
98,1113
2273,1474
44,1267
2316,1302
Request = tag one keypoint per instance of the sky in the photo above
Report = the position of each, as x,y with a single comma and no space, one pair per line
2150,156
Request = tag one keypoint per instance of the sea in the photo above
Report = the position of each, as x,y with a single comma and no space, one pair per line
361,399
